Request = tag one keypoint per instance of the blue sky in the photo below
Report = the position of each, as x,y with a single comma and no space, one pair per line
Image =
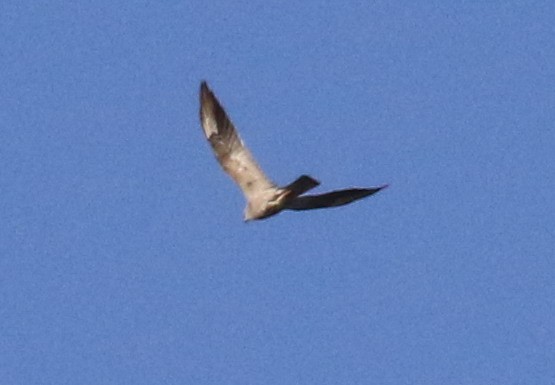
123,255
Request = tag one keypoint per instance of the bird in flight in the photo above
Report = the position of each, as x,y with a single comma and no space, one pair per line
264,198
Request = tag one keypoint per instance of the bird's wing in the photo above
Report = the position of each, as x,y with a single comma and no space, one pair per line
331,199
233,155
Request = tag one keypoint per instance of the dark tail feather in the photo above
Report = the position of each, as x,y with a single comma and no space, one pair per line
301,185
331,199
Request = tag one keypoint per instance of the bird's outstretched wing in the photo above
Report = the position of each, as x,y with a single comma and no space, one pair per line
331,199
230,151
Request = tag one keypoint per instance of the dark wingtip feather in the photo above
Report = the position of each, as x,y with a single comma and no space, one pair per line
204,89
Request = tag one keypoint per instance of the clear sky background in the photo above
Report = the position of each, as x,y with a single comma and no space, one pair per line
123,255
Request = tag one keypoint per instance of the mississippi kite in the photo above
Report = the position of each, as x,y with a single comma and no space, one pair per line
264,198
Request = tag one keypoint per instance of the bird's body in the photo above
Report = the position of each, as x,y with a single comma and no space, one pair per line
264,197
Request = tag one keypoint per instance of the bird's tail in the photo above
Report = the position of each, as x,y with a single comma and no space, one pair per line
301,185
